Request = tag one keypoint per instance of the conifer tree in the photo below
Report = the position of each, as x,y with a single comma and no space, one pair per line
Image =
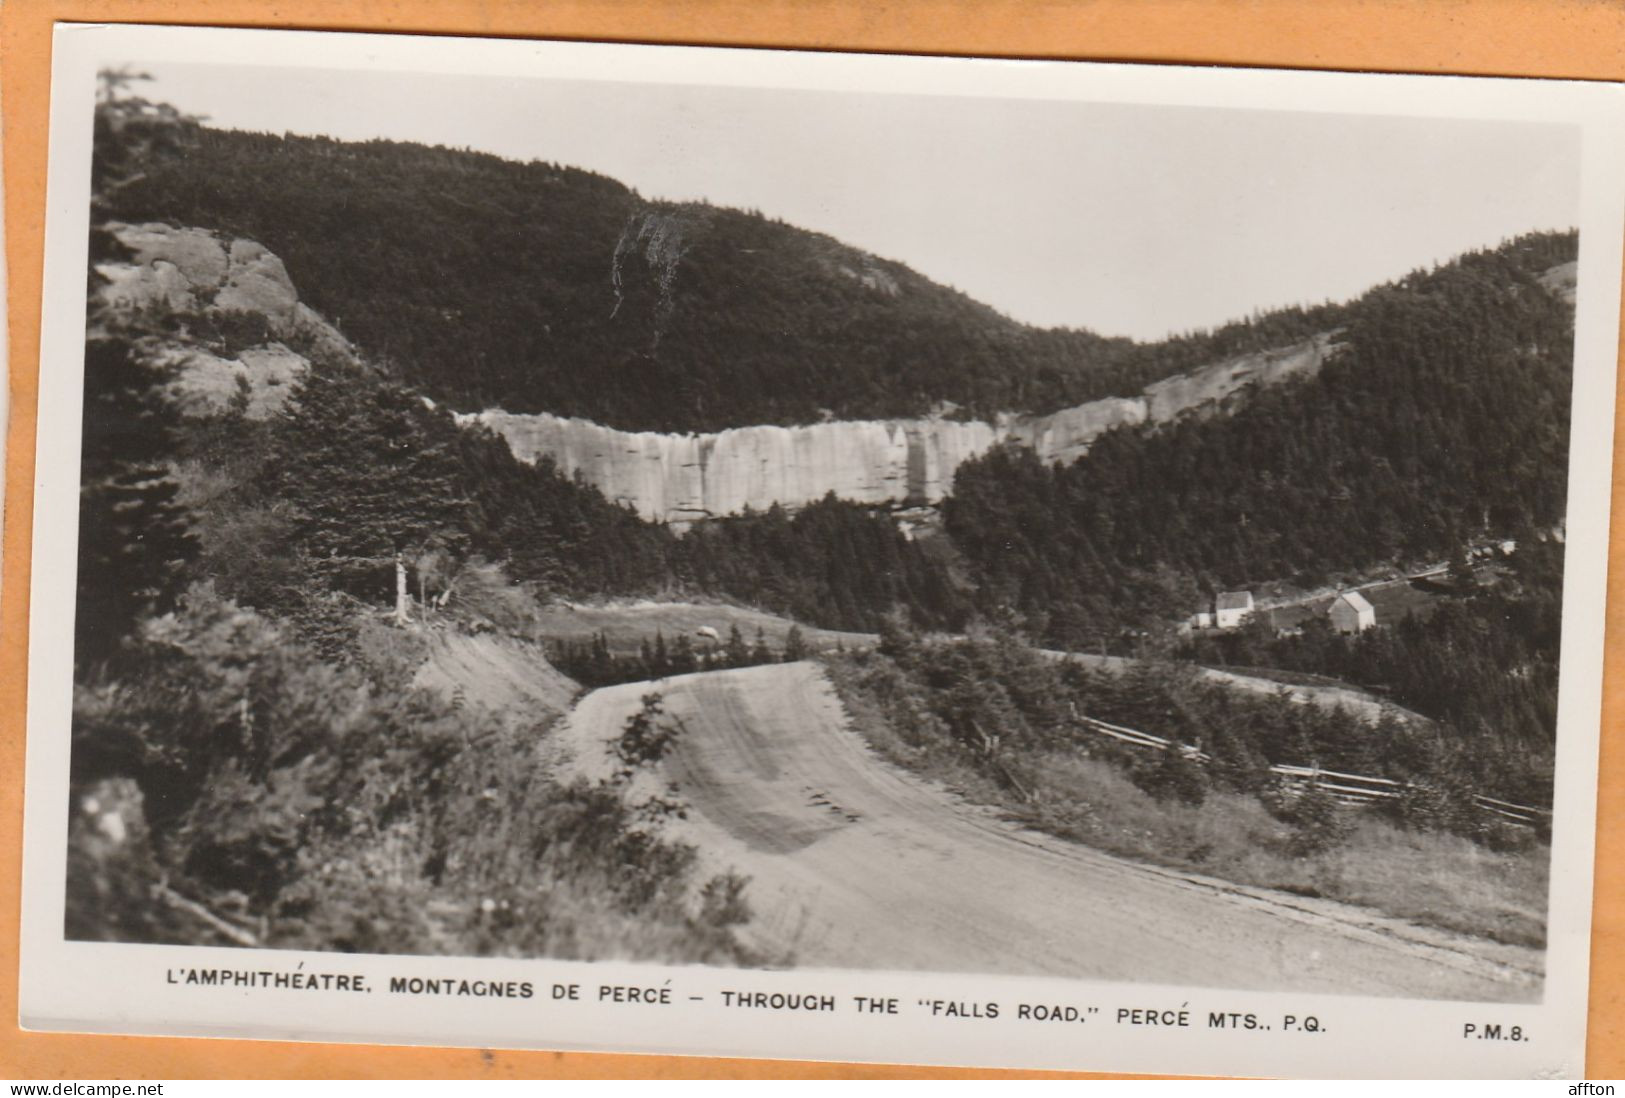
683,658
736,653
662,661
134,537
369,485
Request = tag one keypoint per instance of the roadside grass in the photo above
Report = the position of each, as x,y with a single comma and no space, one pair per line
283,801
1427,877
1285,678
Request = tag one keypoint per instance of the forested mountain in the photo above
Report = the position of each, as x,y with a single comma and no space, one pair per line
536,287
1443,423
1443,419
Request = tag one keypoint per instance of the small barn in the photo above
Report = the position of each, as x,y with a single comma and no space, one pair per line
1351,613
1231,608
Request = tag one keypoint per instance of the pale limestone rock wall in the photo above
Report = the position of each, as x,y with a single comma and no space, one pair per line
1212,385
684,478
1065,436
194,271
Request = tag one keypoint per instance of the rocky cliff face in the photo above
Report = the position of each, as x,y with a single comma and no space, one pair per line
1562,281
683,478
678,478
193,273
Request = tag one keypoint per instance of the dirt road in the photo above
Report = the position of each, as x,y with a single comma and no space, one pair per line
855,863
506,676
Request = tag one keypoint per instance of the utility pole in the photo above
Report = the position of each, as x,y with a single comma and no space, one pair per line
401,595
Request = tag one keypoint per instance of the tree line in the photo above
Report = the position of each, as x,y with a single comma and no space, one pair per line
593,663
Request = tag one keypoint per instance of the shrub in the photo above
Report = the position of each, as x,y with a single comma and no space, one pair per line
1319,822
1173,776
1436,806
331,814
722,901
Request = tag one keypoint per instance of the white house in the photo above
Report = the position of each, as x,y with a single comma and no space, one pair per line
1351,613
1231,608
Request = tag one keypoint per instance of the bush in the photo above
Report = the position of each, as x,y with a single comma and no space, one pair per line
1173,776
722,901
1319,822
331,814
1436,806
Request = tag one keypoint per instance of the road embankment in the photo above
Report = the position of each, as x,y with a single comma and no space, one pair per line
855,863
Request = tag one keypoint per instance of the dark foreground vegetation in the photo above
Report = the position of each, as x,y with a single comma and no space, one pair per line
997,722
252,763
231,787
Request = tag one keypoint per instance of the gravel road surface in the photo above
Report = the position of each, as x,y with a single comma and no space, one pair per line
856,863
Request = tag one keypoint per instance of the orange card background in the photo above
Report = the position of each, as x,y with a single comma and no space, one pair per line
1581,39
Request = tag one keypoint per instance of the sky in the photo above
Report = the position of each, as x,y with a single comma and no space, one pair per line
1123,219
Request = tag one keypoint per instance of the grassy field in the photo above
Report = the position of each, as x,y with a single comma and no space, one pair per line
1393,600
626,625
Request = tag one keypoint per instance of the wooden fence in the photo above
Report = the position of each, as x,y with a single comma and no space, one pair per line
1351,789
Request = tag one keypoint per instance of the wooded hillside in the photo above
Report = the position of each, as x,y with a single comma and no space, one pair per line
536,287
1444,419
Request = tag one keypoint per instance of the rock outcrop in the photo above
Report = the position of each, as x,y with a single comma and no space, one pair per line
182,272
204,384
1065,436
1562,281
683,478
1211,386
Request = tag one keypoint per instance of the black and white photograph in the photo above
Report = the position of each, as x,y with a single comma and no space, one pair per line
1126,555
